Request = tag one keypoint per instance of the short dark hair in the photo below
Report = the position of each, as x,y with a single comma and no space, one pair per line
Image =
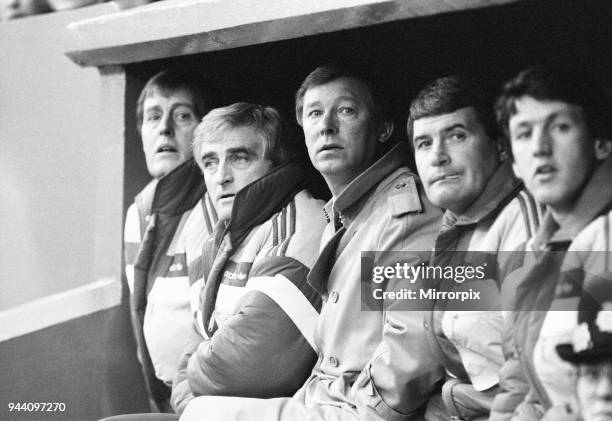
266,120
448,94
169,81
571,86
330,72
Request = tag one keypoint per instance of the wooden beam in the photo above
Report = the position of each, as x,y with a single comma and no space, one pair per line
179,27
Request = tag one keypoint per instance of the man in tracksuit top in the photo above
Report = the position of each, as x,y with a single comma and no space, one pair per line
377,205
254,310
168,110
489,214
559,126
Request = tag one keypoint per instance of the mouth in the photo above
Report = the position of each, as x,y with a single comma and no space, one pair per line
330,147
545,170
445,177
166,148
225,196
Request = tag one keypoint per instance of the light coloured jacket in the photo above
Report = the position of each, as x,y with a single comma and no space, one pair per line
534,380
383,209
156,272
255,311
468,342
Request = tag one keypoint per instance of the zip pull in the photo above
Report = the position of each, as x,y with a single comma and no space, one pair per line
211,323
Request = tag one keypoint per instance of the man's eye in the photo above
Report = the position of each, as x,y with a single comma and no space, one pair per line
314,113
422,144
346,111
457,136
209,164
239,160
153,117
562,127
522,135
184,117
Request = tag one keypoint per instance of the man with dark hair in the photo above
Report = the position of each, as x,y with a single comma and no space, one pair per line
558,124
168,110
461,163
377,205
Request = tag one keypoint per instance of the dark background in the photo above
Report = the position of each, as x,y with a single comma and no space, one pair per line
491,45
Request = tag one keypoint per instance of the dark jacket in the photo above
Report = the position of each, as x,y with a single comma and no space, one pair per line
151,225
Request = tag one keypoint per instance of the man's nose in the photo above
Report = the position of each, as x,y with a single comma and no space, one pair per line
166,127
224,173
439,154
542,142
329,124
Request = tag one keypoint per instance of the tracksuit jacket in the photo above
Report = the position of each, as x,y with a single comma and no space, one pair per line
254,310
535,382
156,271
468,341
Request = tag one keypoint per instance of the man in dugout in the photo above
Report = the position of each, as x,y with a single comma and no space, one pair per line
559,126
169,108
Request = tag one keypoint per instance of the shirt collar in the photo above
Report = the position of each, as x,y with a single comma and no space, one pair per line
366,181
502,185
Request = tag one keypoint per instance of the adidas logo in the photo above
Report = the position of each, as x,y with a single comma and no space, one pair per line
240,276
176,267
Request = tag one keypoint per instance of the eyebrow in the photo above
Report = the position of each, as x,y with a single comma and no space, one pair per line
157,107
547,119
182,104
453,127
208,155
421,137
350,97
152,108
240,149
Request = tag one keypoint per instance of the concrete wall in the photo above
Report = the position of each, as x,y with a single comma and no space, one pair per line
52,137
64,327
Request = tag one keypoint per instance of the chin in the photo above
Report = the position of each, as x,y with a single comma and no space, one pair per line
163,168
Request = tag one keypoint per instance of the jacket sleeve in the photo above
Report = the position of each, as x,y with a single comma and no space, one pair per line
181,391
258,352
403,373
512,381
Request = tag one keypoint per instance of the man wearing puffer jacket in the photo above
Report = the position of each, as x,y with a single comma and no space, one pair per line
558,123
488,215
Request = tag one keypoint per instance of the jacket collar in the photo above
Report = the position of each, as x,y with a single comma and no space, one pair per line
257,202
594,199
367,180
502,187
179,190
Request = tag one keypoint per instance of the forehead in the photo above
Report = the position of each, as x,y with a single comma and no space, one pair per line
231,138
337,89
159,97
529,109
465,117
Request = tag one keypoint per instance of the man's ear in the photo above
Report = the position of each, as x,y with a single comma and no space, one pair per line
602,147
385,130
